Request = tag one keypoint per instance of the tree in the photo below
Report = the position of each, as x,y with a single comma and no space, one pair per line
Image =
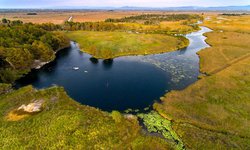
4,21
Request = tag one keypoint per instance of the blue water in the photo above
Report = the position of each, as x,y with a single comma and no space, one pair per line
126,82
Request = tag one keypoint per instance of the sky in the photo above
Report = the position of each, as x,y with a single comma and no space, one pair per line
117,3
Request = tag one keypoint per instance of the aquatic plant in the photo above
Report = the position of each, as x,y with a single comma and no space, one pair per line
213,113
157,124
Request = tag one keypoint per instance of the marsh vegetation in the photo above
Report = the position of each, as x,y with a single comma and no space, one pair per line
214,112
63,123
126,37
113,44
156,18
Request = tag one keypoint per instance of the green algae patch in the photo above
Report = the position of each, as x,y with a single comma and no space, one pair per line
157,124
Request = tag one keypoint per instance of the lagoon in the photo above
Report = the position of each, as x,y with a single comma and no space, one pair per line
126,82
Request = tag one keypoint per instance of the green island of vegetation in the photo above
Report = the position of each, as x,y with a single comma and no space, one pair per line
108,45
133,35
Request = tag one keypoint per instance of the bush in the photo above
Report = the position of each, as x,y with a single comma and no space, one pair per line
116,115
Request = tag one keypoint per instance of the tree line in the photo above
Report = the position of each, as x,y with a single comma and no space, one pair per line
156,18
21,44
108,26
124,24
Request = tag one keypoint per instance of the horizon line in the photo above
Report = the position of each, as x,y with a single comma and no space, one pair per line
117,7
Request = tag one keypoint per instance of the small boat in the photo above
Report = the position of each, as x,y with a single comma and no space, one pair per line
76,68
86,71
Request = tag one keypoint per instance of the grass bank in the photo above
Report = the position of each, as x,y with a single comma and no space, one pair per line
65,124
214,112
114,44
229,41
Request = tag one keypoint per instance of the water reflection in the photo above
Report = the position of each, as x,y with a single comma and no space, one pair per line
94,60
107,63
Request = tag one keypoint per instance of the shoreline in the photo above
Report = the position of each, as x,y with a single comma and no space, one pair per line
133,54
38,64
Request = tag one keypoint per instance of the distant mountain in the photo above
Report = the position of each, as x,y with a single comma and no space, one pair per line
184,8
191,8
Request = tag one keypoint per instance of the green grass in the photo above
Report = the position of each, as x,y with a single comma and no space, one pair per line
4,88
113,44
65,124
214,112
219,103
229,41
227,47
157,124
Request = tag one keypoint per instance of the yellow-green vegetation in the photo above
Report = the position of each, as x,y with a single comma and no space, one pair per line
160,23
228,23
113,44
156,18
229,41
65,124
4,88
157,124
134,35
163,27
26,46
179,26
214,112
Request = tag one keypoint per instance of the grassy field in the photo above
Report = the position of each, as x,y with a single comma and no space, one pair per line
113,44
229,41
213,113
228,23
176,26
65,124
58,17
170,27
